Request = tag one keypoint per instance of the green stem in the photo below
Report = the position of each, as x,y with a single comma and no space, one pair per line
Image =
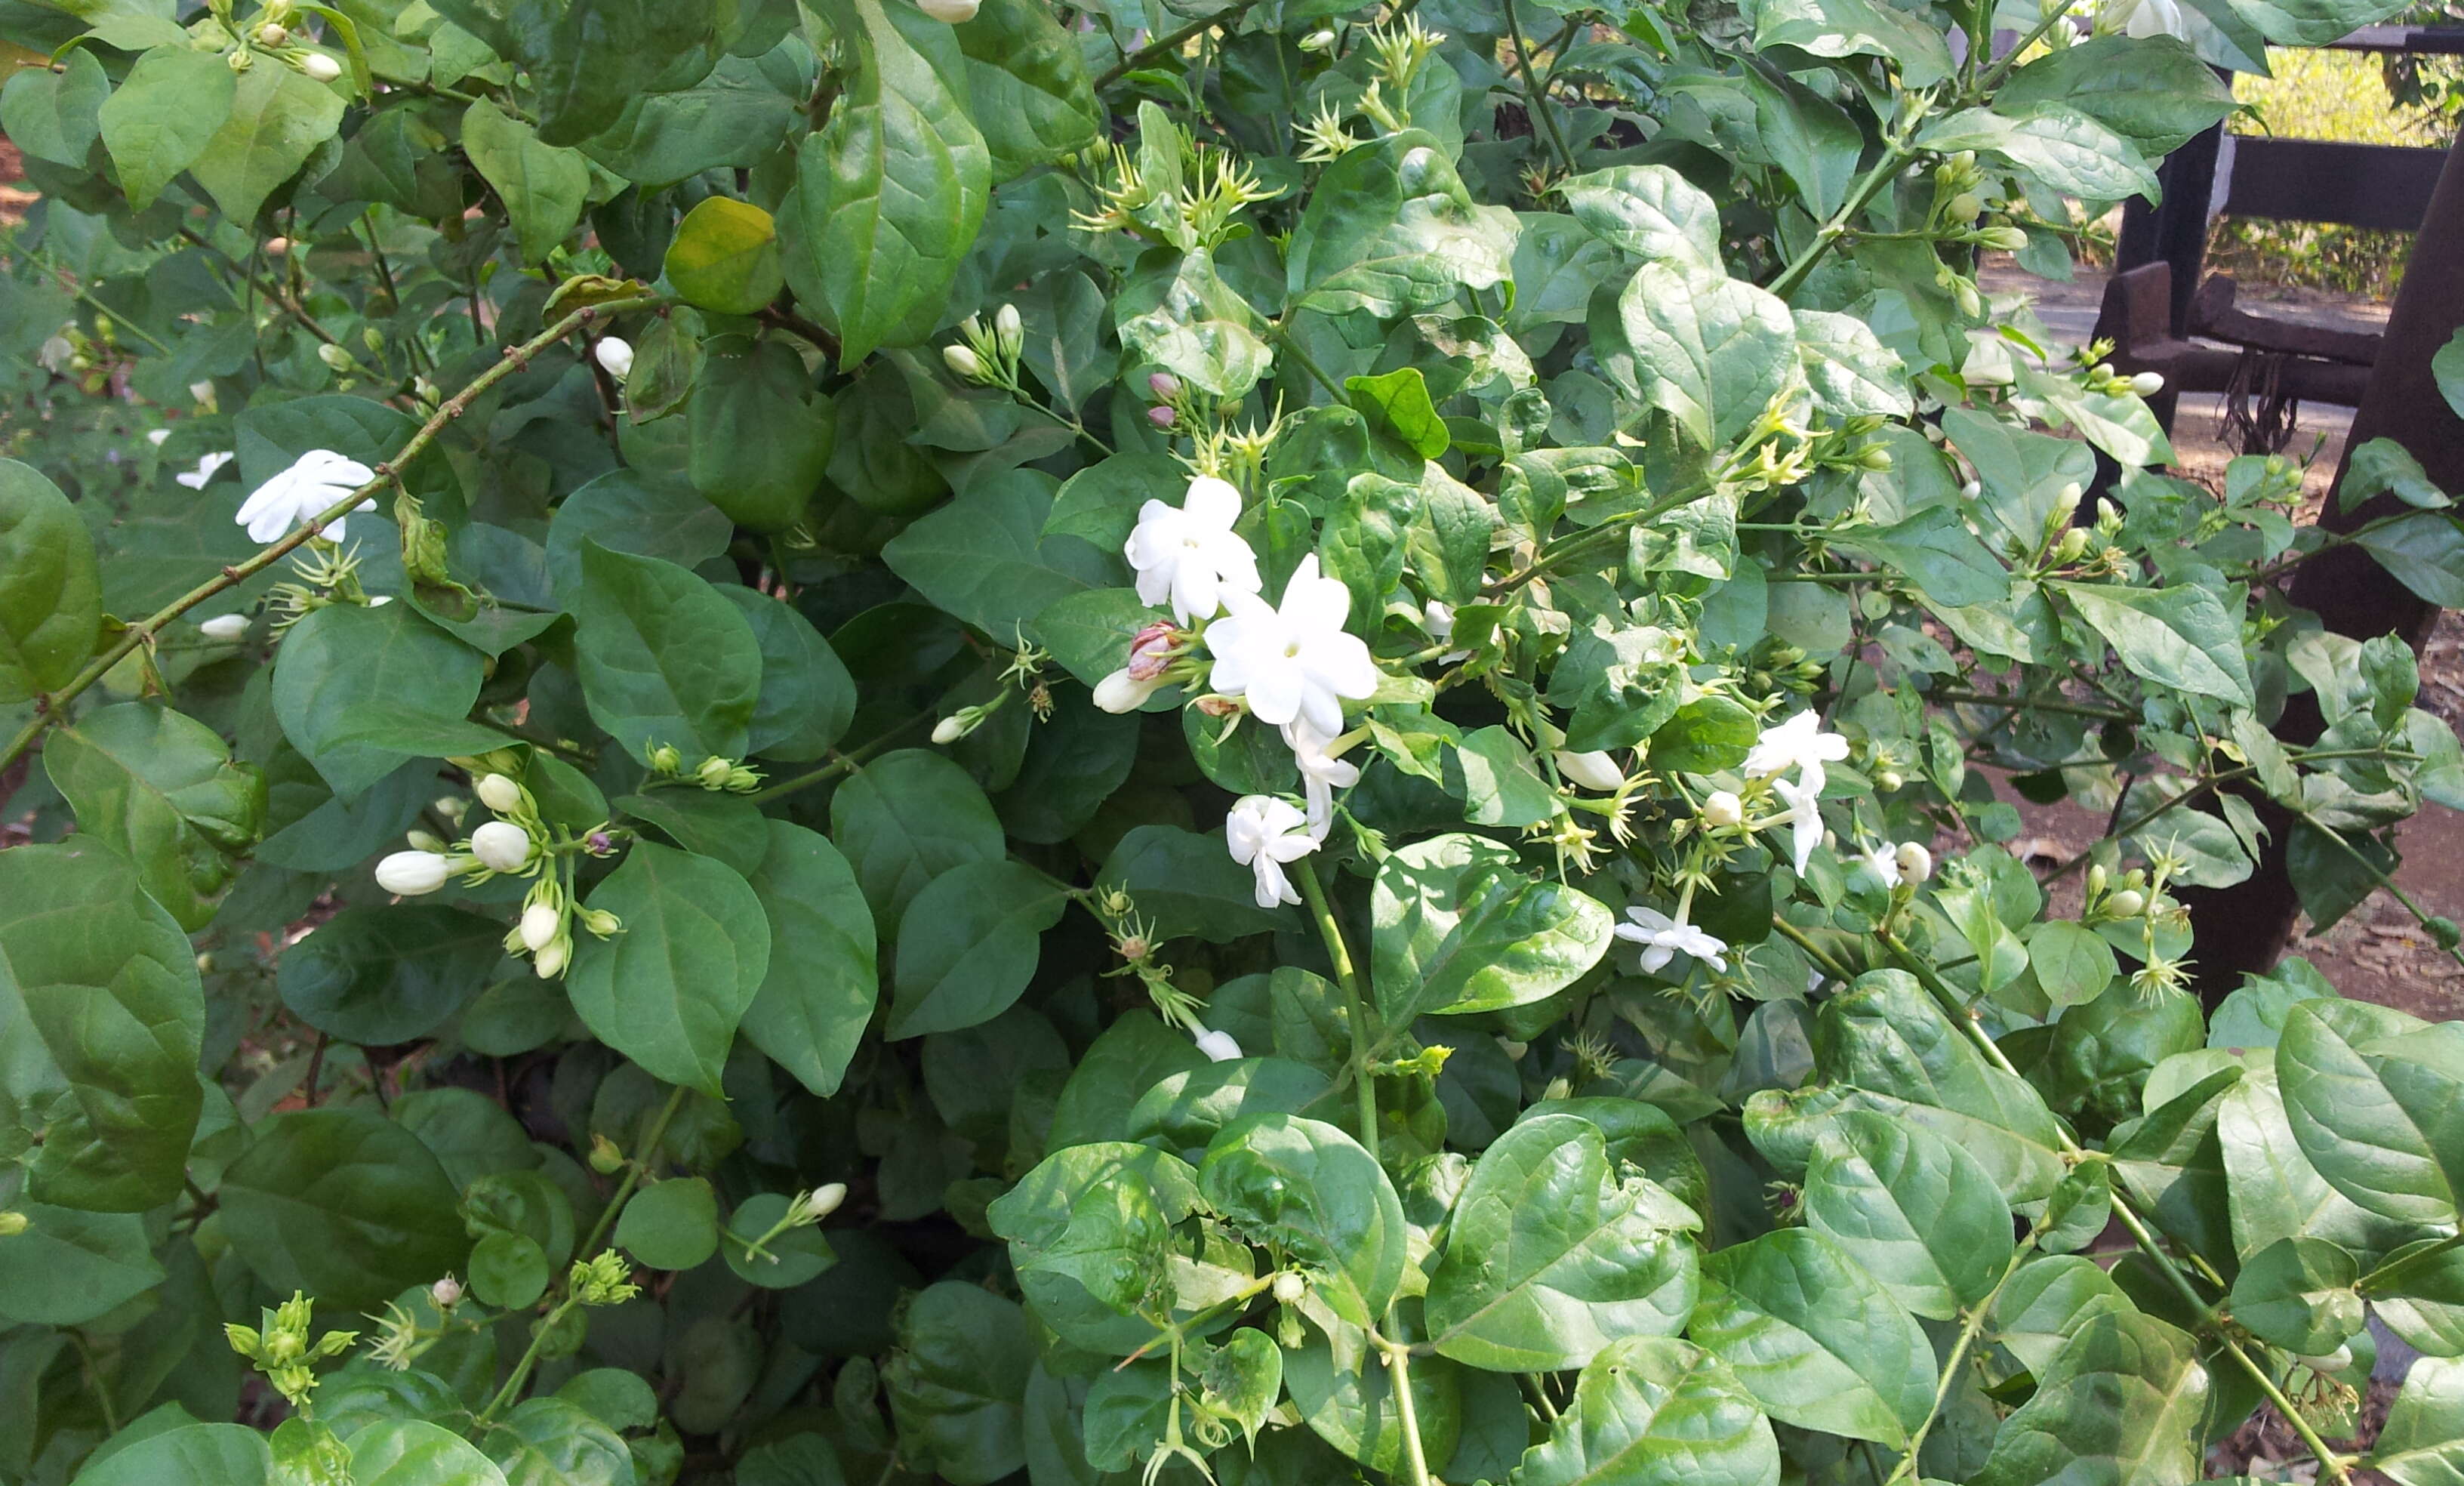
119,318
1174,42
2209,782
50,708
1539,1396
2420,914
1968,1331
839,764
1607,534
2078,709
2001,69
1896,155
2331,1466
1354,1006
1308,363
1399,1366
1535,97
2379,1280
633,1169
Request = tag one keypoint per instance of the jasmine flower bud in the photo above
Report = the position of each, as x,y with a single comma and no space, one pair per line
1008,329
823,1201
498,793
1217,1046
950,729
502,846
410,873
223,627
1122,691
713,772
665,760
13,1223
1593,770
334,356
446,1293
615,356
1163,384
271,34
1916,863
320,68
541,925
962,363
2147,384
2128,903
1722,808
550,962
1289,1287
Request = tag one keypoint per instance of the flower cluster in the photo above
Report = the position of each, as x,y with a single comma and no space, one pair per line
712,773
280,1349
518,843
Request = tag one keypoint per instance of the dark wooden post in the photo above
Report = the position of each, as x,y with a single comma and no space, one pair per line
2245,927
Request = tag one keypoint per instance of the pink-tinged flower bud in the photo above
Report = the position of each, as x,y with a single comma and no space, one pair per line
599,843
1160,416
1163,384
1151,650
447,1292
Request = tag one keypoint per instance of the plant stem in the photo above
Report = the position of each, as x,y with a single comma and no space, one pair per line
1535,97
1354,1007
839,764
1539,1395
1968,1330
2205,784
1895,154
2331,1466
1170,43
2377,1280
1308,363
633,1169
49,708
1399,1372
2001,68
2079,709
119,318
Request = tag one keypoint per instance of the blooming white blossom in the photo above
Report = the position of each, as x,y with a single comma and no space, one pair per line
502,846
1798,741
615,356
1217,1046
1663,938
1295,660
1804,815
212,461
1321,774
410,873
1723,807
1263,833
1190,555
310,487
1593,770
1885,861
223,627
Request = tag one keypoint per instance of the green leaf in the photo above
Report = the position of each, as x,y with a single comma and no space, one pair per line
1028,82
1309,1189
416,1453
2073,963
1089,1230
1650,212
1343,1390
594,55
2447,367
758,444
1710,351
345,658
1549,1258
1501,784
2298,1294
51,115
209,1454
2421,1442
1457,926
628,511
160,790
2047,1299
819,992
1817,1340
543,187
904,819
663,657
2425,551
1656,1411
1391,228
1856,28
2383,466
670,988
894,187
968,943
2056,143
163,116
985,557
958,1382
277,119
1915,1210
725,257
1188,884
551,1442
2121,1402
342,1203
1854,374
2374,1097
50,596
102,1011
1090,633
2153,91
381,976
787,1261
2180,637
806,698
671,1225
69,1266
1398,401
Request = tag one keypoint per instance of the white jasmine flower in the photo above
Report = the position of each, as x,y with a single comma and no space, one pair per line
223,627
156,437
2152,18
1884,860
1663,938
1593,770
1191,556
1296,660
615,356
1217,1046
310,487
1321,774
1804,816
195,480
1439,619
1723,807
502,846
1798,741
1915,862
410,873
1263,833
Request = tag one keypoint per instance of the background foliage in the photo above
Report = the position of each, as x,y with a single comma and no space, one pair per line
643,957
